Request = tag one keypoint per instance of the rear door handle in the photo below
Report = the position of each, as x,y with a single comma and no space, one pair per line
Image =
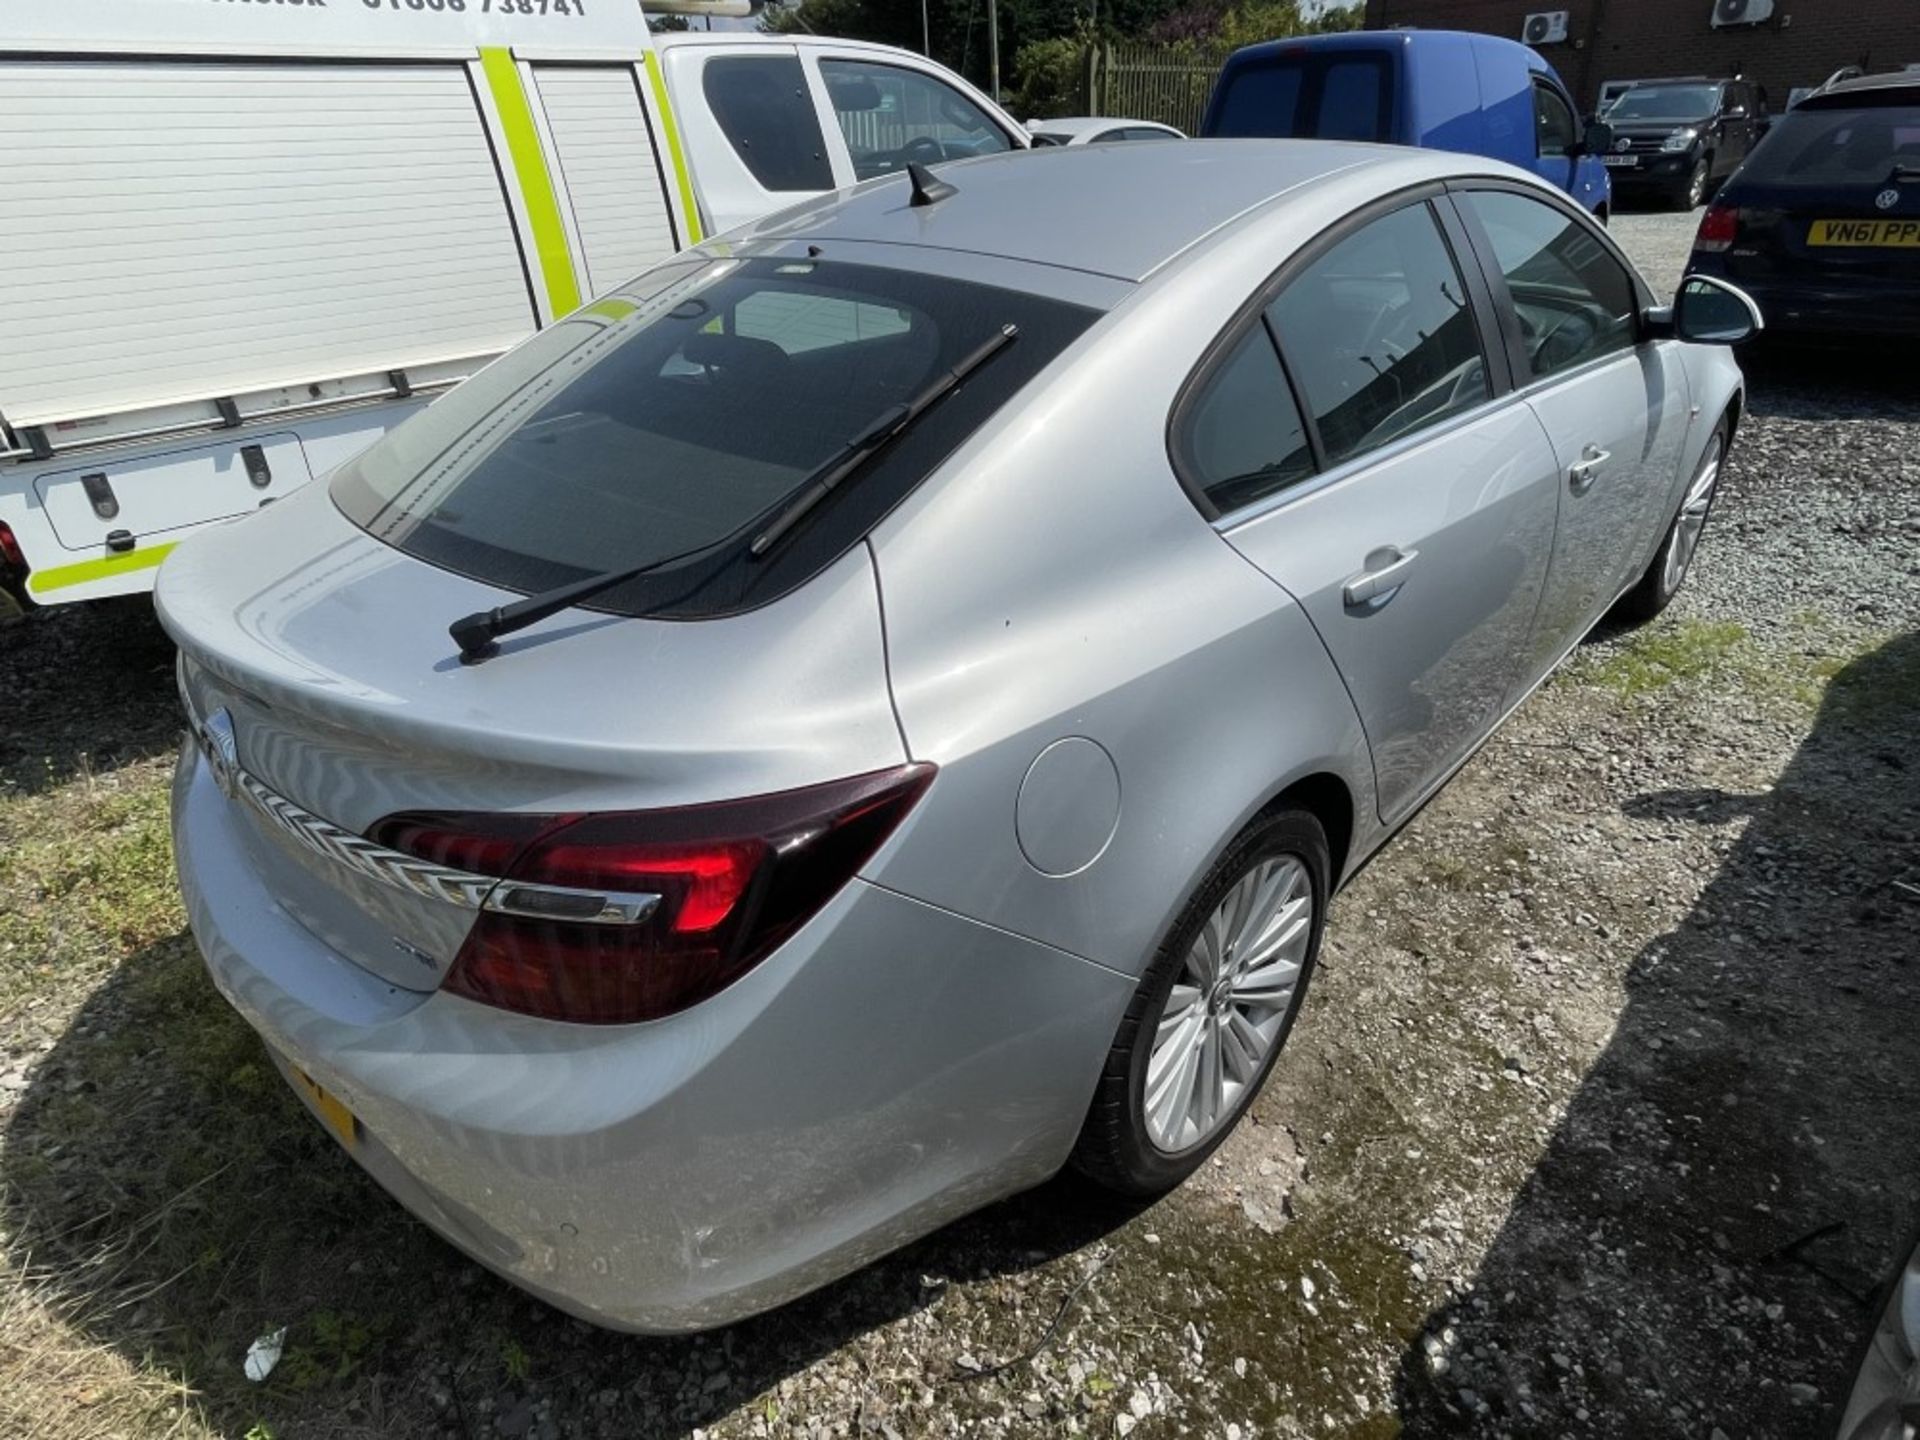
1580,477
1387,570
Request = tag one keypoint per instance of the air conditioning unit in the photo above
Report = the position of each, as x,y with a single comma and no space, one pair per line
1548,27
1728,13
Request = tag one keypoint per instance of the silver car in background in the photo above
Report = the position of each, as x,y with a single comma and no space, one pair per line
875,709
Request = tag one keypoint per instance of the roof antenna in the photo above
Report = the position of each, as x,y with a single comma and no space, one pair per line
928,188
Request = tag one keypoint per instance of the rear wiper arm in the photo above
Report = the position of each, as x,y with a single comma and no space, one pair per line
475,634
869,442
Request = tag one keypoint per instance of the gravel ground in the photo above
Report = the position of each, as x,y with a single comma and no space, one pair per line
1601,1118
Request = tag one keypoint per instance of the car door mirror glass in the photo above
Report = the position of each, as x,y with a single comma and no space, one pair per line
1599,138
1712,312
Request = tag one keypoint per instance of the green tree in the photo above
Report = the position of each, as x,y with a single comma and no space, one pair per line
1248,22
959,27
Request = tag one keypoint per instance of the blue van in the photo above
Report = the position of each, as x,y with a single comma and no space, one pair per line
1442,89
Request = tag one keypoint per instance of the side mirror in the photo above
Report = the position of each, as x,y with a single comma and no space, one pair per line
1598,140
1735,112
1711,312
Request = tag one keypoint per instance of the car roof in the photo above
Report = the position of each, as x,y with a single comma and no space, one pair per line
745,39
1117,210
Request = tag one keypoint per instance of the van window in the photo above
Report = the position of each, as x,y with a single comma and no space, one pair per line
1379,336
1575,301
667,423
1352,97
1552,120
1241,438
892,116
763,107
1307,95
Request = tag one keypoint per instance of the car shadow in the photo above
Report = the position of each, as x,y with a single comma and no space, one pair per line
175,1202
74,676
1692,1251
1828,384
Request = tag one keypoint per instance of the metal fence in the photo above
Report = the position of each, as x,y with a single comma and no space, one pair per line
1168,83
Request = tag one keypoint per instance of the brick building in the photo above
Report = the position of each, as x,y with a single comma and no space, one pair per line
1804,42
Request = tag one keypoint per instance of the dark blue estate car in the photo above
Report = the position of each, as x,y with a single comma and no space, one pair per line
1822,224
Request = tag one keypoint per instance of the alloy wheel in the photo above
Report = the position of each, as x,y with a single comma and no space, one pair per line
1697,186
1229,1004
1884,1403
1692,518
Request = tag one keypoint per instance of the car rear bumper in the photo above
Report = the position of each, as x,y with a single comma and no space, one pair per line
1813,306
892,1067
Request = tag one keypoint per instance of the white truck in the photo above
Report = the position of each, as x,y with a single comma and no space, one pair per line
239,239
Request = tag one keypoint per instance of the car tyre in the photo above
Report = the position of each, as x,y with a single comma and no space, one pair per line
1694,194
1655,589
1259,914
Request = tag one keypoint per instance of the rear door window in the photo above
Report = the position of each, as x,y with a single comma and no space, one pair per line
1576,302
1379,335
763,108
1338,96
892,116
668,422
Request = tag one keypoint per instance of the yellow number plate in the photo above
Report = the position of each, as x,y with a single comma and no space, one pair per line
1865,232
338,1118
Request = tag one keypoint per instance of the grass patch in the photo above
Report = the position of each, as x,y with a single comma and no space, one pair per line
1659,656
86,876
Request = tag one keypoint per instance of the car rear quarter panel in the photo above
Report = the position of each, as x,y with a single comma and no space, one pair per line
1055,581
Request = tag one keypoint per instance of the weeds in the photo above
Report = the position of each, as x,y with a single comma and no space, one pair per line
1657,657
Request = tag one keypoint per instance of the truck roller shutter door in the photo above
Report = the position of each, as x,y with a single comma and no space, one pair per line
176,231
610,167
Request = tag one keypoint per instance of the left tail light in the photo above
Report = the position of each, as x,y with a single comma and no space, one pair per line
11,555
1719,228
619,917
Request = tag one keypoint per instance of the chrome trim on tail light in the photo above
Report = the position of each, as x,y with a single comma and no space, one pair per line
361,855
560,902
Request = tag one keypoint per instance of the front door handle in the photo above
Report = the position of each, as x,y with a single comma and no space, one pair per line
1580,477
1387,570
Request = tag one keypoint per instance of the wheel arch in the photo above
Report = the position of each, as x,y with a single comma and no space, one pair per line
1326,797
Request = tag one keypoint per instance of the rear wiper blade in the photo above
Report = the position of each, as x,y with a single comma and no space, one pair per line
870,441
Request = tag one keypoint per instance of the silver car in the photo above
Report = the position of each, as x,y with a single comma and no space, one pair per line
874,710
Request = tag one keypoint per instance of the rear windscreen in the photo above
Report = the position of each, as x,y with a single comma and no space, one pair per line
1837,147
671,420
1310,97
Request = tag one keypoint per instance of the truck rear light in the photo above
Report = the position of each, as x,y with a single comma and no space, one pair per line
1719,228
10,553
620,917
